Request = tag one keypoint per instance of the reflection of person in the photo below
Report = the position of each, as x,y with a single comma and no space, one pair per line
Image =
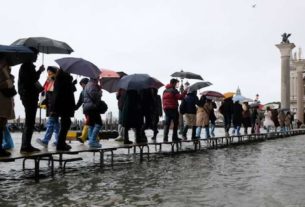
53,123
7,91
29,89
170,106
64,105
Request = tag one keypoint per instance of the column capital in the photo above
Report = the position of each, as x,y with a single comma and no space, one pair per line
285,49
299,65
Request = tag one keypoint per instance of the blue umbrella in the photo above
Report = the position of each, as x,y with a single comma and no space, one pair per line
138,82
79,66
15,55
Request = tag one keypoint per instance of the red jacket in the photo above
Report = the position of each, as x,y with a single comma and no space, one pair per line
171,96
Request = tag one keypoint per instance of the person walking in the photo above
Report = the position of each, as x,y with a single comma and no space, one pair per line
92,97
288,118
226,109
83,137
281,118
189,113
7,92
170,106
53,122
275,119
64,105
246,117
29,89
213,119
268,123
120,97
203,117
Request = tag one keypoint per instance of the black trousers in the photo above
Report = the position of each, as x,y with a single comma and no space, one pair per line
65,123
171,115
30,106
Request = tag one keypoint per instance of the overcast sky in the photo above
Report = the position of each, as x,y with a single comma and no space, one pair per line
228,42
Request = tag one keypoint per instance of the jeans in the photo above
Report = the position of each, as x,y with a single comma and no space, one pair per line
172,115
52,126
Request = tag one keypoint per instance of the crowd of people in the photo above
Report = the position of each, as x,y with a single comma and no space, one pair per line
139,110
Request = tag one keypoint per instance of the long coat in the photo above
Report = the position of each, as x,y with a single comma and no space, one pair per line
132,115
237,114
63,94
203,114
6,104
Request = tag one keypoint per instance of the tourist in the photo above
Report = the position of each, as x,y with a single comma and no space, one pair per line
188,109
237,117
204,110
29,89
92,97
7,92
281,119
64,105
246,117
213,119
275,119
53,122
83,137
288,118
226,109
268,123
120,97
170,106
132,116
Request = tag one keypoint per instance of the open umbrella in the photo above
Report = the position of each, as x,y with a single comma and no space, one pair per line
79,66
138,82
228,95
45,45
213,95
109,79
15,54
272,105
189,75
199,85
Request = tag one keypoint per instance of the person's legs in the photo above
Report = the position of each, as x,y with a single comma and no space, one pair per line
65,123
212,128
175,129
193,132
3,152
184,132
207,131
49,132
168,120
198,131
30,115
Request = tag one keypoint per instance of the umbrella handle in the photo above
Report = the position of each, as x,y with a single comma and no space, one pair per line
42,58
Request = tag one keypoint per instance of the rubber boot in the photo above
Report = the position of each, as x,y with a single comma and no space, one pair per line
120,138
93,143
198,132
165,133
193,132
84,135
207,132
184,132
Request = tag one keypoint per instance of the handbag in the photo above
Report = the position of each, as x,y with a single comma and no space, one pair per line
101,105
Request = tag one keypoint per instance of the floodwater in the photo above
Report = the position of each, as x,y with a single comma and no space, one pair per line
270,173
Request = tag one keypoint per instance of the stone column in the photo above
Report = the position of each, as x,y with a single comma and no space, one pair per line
285,50
300,66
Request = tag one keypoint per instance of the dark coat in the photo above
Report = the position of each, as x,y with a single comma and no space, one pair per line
246,115
28,76
226,108
80,100
237,114
132,114
212,114
92,96
274,117
63,95
191,100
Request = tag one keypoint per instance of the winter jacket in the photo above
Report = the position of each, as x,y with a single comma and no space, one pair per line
28,76
191,100
246,116
80,100
91,96
132,114
120,96
63,95
203,114
171,96
226,108
6,103
237,114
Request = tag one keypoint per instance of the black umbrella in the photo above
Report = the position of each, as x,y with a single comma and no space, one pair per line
15,55
110,83
138,82
188,75
199,85
45,45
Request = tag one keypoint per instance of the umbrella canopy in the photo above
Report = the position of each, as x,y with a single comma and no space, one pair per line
16,54
109,74
45,45
228,95
212,95
199,85
79,66
188,75
138,82
272,105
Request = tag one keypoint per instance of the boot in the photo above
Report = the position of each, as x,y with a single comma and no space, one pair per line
165,133
126,137
154,138
193,132
198,132
238,130
84,135
3,153
120,138
184,132
175,137
207,132
93,143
